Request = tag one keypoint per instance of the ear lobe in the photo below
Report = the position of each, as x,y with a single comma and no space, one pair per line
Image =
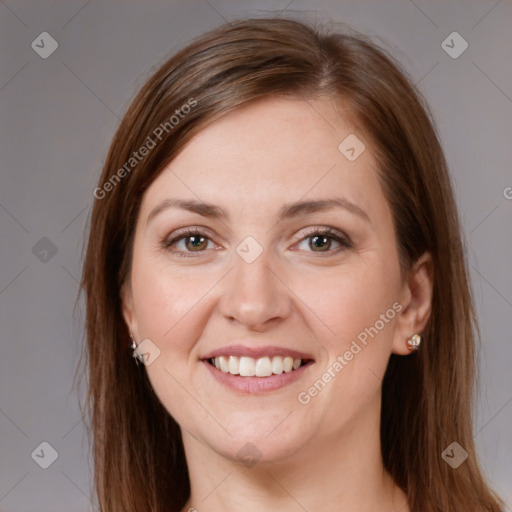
417,295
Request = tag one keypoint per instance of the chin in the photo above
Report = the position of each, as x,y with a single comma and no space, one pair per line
259,440
259,451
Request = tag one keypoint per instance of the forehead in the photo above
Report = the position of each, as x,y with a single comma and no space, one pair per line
269,152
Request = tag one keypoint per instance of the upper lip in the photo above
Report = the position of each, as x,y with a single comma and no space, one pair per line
256,352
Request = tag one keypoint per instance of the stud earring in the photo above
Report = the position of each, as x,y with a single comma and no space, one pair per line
414,342
138,357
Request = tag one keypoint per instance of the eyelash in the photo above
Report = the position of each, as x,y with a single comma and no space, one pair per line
327,232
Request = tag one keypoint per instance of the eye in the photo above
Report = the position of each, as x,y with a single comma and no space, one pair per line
322,239
194,240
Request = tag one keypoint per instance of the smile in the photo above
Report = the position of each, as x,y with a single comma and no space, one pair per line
261,367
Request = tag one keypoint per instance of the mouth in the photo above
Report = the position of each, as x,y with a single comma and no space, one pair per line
265,366
255,370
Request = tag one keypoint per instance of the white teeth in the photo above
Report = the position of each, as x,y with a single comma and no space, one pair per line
247,367
234,365
224,363
277,365
261,367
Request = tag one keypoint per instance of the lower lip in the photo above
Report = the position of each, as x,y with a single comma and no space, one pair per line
256,385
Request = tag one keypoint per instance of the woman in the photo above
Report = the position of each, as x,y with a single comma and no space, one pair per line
275,238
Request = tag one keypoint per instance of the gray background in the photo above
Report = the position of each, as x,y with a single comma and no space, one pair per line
57,117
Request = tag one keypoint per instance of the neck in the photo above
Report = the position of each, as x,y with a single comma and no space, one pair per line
340,471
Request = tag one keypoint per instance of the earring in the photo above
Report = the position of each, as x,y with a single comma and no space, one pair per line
414,342
138,357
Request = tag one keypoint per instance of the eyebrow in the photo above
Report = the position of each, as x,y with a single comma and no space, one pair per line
286,212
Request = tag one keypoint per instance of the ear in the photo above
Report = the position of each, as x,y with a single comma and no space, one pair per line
128,308
416,300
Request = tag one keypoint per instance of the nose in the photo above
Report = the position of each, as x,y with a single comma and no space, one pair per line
255,294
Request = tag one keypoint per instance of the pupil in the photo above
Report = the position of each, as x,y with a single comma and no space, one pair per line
196,238
317,238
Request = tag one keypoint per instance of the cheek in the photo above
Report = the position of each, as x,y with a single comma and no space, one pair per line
356,304
164,298
173,308
170,312
351,298
156,303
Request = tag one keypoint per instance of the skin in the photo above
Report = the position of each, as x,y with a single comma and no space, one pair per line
316,299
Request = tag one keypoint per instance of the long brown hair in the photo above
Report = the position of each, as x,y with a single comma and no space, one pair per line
139,461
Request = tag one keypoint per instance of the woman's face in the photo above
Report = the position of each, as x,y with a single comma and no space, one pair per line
259,281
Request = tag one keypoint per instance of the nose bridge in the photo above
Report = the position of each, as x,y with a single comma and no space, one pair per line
255,295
